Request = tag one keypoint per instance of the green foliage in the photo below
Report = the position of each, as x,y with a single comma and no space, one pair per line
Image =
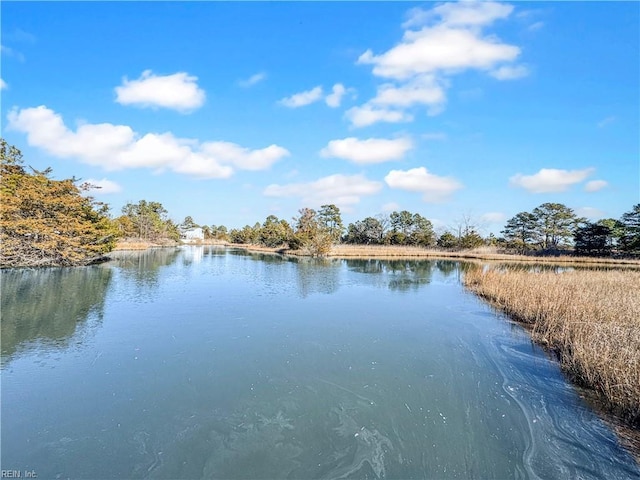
471,239
312,234
401,222
188,223
521,231
47,222
219,232
593,239
421,232
410,229
246,235
448,240
630,223
555,224
148,221
365,232
330,219
274,232
616,227
548,226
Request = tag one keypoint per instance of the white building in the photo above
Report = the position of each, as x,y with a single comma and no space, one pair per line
192,235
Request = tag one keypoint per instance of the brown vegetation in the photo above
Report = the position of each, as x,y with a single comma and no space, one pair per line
142,244
133,244
590,318
46,222
481,253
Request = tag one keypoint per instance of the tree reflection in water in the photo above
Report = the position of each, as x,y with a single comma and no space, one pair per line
50,305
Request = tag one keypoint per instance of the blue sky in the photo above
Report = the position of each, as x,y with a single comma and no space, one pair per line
230,112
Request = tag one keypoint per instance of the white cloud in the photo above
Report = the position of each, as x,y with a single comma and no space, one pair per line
434,136
244,158
19,35
334,99
371,150
464,13
368,115
535,26
117,147
303,98
390,207
510,72
590,213
433,187
10,52
178,91
417,17
606,121
102,187
341,190
253,80
3,85
437,44
595,185
440,48
422,90
550,180
493,217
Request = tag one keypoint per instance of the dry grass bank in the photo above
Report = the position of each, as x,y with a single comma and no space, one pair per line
133,245
141,244
591,318
482,253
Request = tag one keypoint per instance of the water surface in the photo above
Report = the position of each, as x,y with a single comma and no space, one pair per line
211,363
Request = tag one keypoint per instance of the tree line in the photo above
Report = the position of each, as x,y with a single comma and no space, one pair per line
548,228
554,226
47,222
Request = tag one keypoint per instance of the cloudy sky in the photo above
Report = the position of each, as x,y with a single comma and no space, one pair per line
230,112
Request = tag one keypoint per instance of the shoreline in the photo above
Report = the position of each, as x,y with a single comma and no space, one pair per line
587,321
617,410
543,317
392,252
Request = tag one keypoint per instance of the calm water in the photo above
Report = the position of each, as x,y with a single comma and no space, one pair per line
212,363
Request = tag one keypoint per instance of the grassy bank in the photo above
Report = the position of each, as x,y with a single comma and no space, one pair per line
590,318
483,253
142,244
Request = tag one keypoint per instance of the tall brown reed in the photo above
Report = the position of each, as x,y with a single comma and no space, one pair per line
480,253
591,318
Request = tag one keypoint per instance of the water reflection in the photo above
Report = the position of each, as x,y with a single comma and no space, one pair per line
242,366
144,267
260,257
49,305
191,255
310,282
308,279
398,275
447,267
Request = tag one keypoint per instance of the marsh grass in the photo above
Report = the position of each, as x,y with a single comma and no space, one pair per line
480,253
589,318
142,244
133,245
492,254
